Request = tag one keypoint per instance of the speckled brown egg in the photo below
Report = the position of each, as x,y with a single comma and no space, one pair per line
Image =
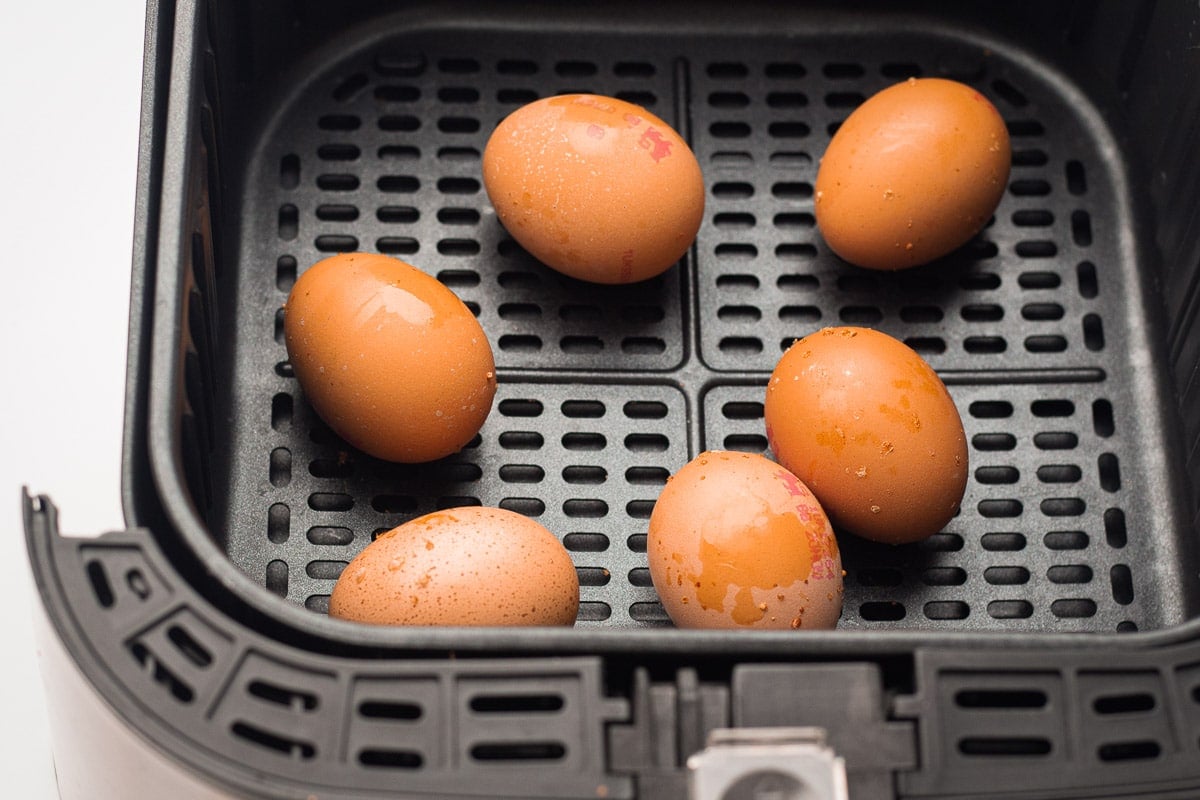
388,357
737,541
461,566
868,425
912,174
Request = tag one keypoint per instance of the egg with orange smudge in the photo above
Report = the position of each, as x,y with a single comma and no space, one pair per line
736,541
870,428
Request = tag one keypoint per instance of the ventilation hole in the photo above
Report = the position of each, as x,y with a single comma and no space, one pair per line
390,758
728,130
1033,218
1002,542
458,125
516,703
1089,286
1079,608
1001,698
979,281
397,214
1114,528
1093,332
1045,343
639,509
735,251
731,158
921,314
519,312
739,314
640,576
587,475
459,279
187,644
926,345
1036,249
746,442
516,343
397,245
1062,506
521,440
1122,584
737,282
793,283
993,442
584,441
985,344
585,542
1129,751
161,674
1069,573
1102,418
457,501
398,152
1010,609
1000,508
516,67
732,190
398,184
1026,127
1081,228
728,100
337,213
946,610
1055,440
649,613
458,66
338,152
1110,472
513,407
579,345
284,369
792,190
285,273
1066,540
317,603
529,506
788,159
458,216
289,222
1004,746
879,577
942,543
740,345
339,122
279,517
634,442
734,220
336,243
330,536
1029,187
98,577
521,473
799,315
392,93
990,409
647,476
944,576
593,576
843,99
860,315
645,409
1042,311
281,467
997,475
1006,576
843,71
516,96
399,123
723,70
1029,157
1011,94
788,130
281,696
899,71
280,744
394,503
593,611
1076,178
881,611
1059,473
458,247
276,578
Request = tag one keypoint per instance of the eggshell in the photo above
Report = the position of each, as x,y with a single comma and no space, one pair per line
594,187
390,358
737,541
912,174
462,566
868,425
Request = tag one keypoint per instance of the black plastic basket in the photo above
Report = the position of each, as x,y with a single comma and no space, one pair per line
1045,643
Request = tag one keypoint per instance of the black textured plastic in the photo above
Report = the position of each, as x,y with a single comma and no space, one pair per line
1036,324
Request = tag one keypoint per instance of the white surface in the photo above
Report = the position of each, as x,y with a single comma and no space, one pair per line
71,88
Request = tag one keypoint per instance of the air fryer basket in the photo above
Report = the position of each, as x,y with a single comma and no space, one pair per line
1067,332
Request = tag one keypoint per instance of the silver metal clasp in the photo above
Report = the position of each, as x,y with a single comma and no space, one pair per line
767,764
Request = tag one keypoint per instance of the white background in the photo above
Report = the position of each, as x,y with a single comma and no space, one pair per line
70,83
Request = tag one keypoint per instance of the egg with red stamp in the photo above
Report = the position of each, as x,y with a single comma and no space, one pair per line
737,541
471,566
597,188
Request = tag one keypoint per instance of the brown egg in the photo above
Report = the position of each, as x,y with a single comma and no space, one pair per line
462,566
868,425
912,174
390,358
594,187
737,541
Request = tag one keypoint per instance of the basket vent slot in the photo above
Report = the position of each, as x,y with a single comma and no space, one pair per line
516,703
518,751
1005,746
294,748
161,673
1001,698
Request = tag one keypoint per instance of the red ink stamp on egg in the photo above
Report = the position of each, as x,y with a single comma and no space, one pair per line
632,120
653,141
595,131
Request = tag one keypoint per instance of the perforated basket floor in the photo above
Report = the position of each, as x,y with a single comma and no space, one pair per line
1036,325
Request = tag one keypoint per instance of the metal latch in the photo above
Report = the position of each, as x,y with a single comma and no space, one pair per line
767,764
